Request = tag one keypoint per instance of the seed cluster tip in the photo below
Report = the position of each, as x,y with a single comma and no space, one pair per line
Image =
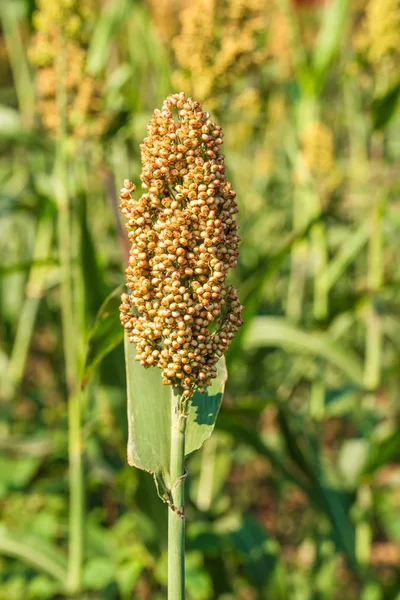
180,313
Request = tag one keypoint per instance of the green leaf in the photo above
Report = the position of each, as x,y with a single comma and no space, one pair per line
42,556
252,291
92,271
330,36
198,581
33,446
209,470
256,549
383,453
238,535
111,19
333,503
344,257
98,573
149,417
16,473
249,436
351,461
384,107
106,334
27,265
9,119
277,332
336,507
12,131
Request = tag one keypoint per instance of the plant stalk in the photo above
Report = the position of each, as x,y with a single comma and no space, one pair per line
303,211
70,340
176,510
76,492
76,513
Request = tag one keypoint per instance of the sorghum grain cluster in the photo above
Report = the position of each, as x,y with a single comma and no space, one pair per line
181,314
379,34
317,144
217,42
59,54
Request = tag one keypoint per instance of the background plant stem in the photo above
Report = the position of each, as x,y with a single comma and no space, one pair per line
70,342
176,513
303,212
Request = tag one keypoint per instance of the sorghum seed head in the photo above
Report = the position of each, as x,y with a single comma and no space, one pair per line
181,312
59,54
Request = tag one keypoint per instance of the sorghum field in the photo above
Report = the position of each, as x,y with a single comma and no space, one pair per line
296,495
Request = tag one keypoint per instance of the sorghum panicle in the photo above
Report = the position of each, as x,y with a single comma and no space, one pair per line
317,144
379,34
217,42
181,314
63,30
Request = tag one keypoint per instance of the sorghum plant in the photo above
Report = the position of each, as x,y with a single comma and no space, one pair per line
180,313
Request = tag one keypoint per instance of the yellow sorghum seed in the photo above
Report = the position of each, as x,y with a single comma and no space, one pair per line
183,235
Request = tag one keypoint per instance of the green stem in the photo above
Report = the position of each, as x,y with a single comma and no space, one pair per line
303,212
176,511
76,511
76,490
70,340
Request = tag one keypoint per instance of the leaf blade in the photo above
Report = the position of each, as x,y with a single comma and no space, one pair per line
276,331
149,417
105,335
44,557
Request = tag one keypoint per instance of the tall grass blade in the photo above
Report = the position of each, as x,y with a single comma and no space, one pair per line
43,557
106,333
277,332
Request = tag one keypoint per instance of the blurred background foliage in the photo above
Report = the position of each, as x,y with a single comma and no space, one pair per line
297,493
